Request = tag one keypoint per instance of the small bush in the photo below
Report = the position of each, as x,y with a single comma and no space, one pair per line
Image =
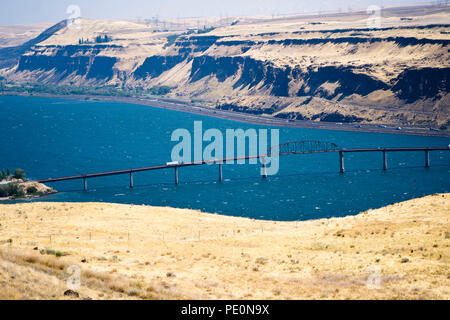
19,174
3,191
31,190
133,293
11,190
52,252
261,260
160,90
20,194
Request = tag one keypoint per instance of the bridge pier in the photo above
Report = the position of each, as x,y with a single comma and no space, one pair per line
264,169
176,175
220,173
341,162
427,158
85,184
384,160
131,180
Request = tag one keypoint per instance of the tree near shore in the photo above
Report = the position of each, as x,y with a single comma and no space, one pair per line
11,190
19,174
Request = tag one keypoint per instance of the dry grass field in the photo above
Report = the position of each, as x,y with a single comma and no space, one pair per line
133,252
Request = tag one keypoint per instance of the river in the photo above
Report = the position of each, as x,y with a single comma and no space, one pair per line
50,137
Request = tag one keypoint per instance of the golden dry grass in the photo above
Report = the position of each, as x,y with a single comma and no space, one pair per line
159,253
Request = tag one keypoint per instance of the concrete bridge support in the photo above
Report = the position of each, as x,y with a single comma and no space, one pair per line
176,175
264,169
384,160
427,159
341,162
85,184
220,173
131,180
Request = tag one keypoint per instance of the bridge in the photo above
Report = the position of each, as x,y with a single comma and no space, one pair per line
289,148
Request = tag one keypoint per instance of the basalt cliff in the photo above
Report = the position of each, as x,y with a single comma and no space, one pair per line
334,67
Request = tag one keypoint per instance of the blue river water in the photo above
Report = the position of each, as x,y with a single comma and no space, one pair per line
58,137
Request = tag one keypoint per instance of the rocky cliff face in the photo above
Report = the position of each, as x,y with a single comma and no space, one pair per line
301,70
426,83
70,61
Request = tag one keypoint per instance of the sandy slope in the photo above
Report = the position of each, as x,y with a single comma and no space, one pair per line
153,252
14,35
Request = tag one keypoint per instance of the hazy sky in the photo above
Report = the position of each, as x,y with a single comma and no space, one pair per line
31,11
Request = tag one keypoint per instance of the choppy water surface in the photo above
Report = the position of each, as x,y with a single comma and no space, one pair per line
59,137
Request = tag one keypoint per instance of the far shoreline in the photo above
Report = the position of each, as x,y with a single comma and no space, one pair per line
9,200
183,106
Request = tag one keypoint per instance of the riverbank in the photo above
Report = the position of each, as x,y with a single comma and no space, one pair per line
128,251
184,106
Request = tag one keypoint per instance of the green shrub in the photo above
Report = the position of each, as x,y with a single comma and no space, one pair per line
3,191
19,193
19,174
133,293
52,252
11,189
160,90
31,190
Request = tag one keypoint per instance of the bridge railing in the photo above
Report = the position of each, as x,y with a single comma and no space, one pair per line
302,147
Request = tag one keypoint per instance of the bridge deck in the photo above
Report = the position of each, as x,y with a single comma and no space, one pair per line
225,160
